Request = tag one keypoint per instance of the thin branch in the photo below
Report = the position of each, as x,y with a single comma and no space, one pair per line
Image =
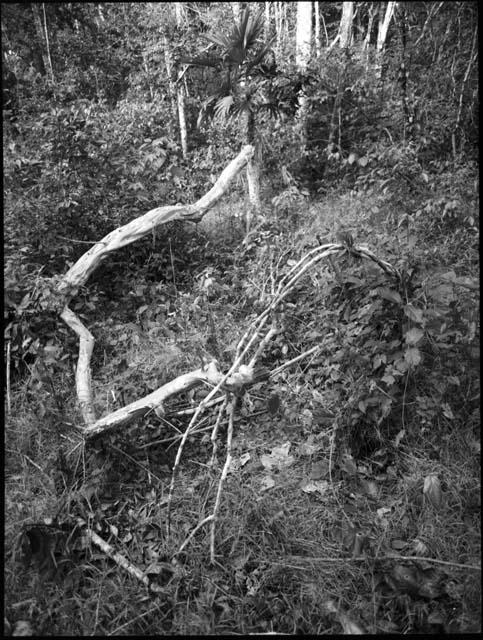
214,433
78,241
465,78
120,560
189,412
283,366
431,15
9,402
223,477
197,528
471,567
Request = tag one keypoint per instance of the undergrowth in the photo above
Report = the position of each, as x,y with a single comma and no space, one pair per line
326,521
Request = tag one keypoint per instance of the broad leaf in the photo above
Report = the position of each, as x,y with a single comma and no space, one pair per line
414,335
390,294
413,356
416,315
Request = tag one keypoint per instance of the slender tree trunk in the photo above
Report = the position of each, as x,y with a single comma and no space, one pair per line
47,45
302,56
171,84
403,71
384,26
266,25
367,39
278,27
283,23
183,132
472,59
366,45
148,76
47,64
253,172
317,28
345,26
303,35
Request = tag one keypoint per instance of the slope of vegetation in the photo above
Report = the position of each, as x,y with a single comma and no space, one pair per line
352,500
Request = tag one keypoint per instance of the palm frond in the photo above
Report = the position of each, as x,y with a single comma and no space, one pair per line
260,55
241,39
271,108
223,106
220,39
207,109
242,106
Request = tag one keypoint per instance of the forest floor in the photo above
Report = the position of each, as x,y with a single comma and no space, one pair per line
336,516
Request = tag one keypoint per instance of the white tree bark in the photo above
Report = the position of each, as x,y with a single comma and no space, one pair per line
78,274
317,28
171,86
183,131
41,38
302,56
345,26
367,39
267,21
154,400
303,34
384,26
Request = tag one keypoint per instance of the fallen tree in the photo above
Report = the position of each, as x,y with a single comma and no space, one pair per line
225,388
79,273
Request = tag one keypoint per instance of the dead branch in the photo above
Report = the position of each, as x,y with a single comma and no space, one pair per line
106,548
83,369
224,473
78,274
141,407
241,376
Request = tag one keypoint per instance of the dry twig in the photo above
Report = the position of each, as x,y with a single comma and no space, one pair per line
249,338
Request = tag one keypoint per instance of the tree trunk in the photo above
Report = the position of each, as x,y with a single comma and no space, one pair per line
253,172
47,45
302,57
303,35
317,28
345,26
384,26
367,39
183,132
278,28
78,274
171,84
47,65
403,71
280,11
148,76
471,60
267,22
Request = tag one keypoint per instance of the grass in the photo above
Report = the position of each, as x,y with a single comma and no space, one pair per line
287,560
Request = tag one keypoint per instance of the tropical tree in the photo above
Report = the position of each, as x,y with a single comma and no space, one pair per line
246,66
303,46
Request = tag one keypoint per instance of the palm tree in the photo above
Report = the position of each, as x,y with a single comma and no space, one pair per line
246,65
